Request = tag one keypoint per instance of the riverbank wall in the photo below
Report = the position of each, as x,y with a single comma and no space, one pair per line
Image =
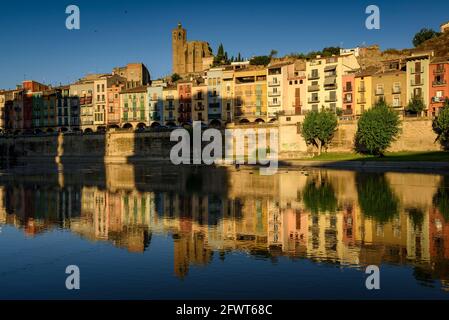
129,147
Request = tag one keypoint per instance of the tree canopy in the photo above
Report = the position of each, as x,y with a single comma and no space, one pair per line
318,128
416,105
440,126
423,35
377,129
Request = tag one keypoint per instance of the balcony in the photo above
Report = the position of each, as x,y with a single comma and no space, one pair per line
362,89
274,94
438,99
314,100
347,112
347,89
379,92
273,83
198,97
331,99
439,83
346,100
332,86
313,76
199,108
274,103
361,100
415,83
169,107
313,88
413,70
170,97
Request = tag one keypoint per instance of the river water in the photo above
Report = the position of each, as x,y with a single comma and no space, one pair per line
164,232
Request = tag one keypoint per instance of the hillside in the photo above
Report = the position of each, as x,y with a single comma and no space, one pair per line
440,45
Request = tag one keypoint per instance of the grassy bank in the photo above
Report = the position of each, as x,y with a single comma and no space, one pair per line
392,156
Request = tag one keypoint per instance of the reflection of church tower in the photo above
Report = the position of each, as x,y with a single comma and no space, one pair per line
179,39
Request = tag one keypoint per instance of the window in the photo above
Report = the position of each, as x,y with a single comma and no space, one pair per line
291,82
296,81
396,101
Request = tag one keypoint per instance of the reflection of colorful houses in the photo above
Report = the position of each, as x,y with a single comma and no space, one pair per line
439,235
263,216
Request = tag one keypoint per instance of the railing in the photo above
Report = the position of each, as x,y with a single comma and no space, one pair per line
274,104
347,89
274,94
347,100
313,88
170,98
413,82
438,99
362,89
332,86
379,92
273,83
330,99
313,100
413,70
199,108
313,76
361,100
440,70
439,83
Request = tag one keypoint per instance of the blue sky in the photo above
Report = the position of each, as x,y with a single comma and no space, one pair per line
36,45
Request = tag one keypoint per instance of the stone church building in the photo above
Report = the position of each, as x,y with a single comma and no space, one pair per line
189,56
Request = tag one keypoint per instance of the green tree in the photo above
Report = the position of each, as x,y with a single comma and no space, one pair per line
319,196
260,61
441,198
416,105
175,77
239,58
440,126
330,51
377,129
424,35
273,53
221,57
376,198
318,128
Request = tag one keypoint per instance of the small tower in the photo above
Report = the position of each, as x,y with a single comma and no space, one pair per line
179,39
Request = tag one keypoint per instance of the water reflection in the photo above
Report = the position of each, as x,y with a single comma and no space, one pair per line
338,217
